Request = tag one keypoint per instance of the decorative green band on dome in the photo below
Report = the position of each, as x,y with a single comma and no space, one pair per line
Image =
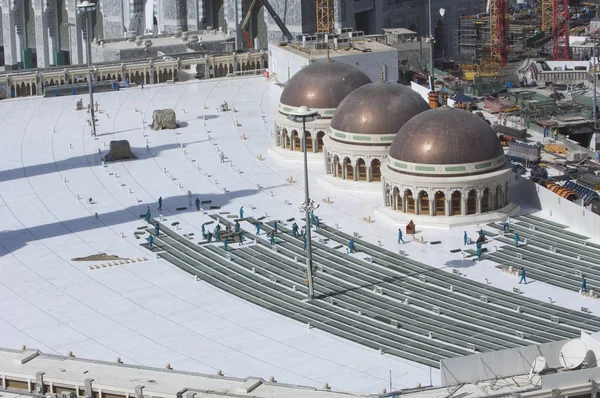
456,168
329,112
440,170
382,140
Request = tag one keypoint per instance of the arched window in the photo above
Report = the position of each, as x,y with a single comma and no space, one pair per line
456,206
499,199
309,142
285,142
361,168
440,203
472,202
337,167
296,145
410,201
375,170
485,201
349,169
396,199
320,136
424,202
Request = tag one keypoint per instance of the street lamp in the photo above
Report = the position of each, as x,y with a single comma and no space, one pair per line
442,13
88,7
304,114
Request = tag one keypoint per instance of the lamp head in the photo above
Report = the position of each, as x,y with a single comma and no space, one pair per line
303,113
442,12
86,5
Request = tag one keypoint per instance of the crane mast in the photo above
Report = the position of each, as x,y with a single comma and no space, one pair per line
325,16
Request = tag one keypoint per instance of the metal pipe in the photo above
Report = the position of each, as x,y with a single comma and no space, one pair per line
595,82
237,26
90,71
431,41
309,273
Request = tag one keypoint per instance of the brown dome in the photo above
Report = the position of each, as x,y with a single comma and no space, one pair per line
446,136
322,85
378,108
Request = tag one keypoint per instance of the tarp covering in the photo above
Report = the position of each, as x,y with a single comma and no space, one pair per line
119,150
164,119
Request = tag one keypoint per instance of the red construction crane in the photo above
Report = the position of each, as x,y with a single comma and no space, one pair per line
499,30
560,30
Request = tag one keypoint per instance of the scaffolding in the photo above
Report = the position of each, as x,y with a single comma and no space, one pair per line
472,38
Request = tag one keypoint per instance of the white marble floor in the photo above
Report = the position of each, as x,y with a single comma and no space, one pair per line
149,312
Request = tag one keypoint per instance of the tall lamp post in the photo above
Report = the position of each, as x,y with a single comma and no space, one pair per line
304,114
442,13
87,7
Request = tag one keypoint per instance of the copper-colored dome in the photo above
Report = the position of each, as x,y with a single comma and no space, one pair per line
322,85
446,136
378,108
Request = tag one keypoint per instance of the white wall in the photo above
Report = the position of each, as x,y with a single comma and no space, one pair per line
556,209
492,364
286,63
371,63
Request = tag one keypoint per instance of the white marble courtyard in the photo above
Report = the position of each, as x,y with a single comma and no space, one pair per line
150,312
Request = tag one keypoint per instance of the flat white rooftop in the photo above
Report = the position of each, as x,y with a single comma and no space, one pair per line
149,312
123,379
161,41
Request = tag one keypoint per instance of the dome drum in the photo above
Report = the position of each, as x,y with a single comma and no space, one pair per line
446,167
447,197
290,137
363,128
354,163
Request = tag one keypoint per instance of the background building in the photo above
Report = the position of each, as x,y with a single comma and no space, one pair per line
372,16
38,33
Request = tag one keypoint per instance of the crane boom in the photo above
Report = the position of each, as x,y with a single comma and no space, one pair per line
244,26
278,21
248,15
